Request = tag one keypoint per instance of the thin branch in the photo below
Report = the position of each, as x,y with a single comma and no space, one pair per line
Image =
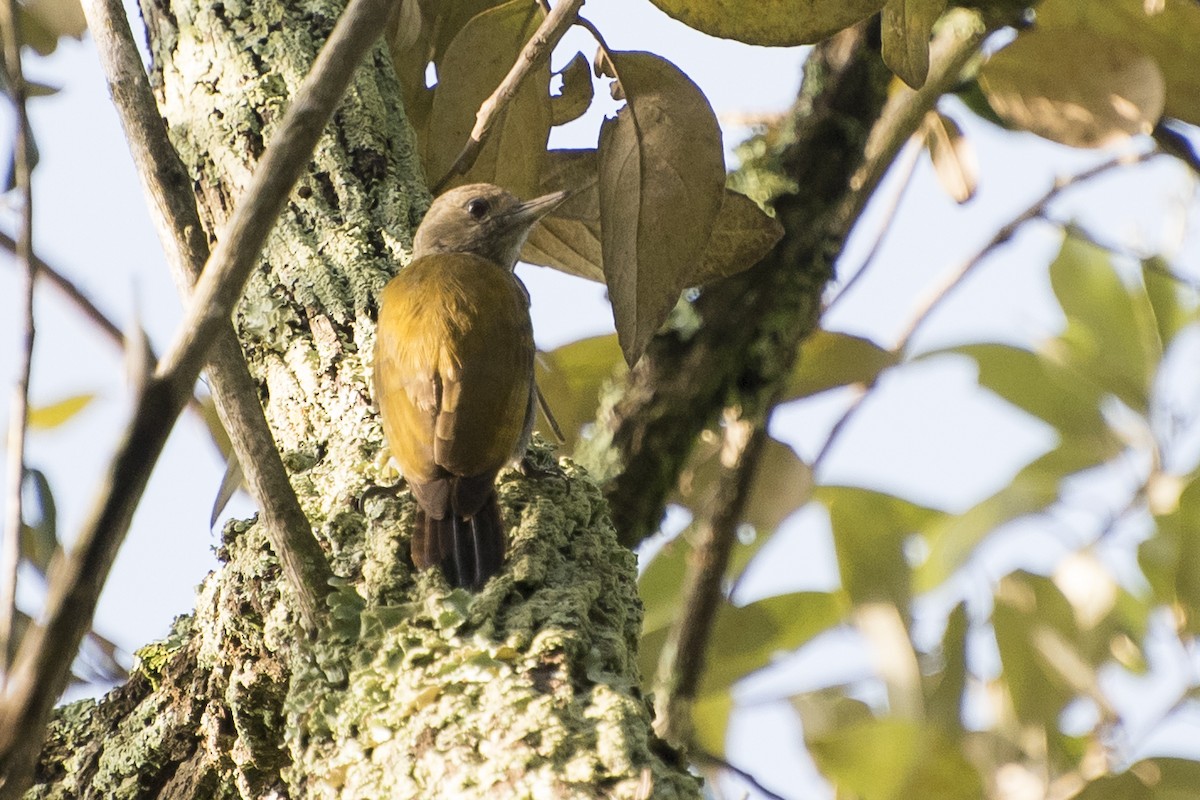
43,663
952,280
704,758
536,51
10,555
173,208
683,656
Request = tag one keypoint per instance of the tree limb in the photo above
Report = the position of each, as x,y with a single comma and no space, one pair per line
43,663
173,205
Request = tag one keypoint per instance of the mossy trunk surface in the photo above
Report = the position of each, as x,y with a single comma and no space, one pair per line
527,689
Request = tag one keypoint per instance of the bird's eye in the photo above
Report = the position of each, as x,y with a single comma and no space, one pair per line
478,208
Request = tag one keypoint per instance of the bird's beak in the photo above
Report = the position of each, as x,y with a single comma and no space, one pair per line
531,211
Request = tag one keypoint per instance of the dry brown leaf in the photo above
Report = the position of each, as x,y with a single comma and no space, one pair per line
662,177
1075,87
742,234
576,94
953,157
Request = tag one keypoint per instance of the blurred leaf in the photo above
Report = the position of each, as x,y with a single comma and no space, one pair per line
1173,309
475,63
947,686
952,538
782,485
954,161
662,178
1075,87
829,359
742,235
906,28
571,377
659,586
231,481
775,23
748,638
1149,779
568,239
1170,558
869,532
216,430
1111,335
39,539
710,718
1166,31
55,414
576,95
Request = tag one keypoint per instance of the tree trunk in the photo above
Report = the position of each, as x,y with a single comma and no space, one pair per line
529,688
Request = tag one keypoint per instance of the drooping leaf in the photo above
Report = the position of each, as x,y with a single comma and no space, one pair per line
39,537
46,417
1166,31
231,481
710,721
1075,87
1170,558
742,234
1111,335
829,359
216,429
576,94
947,687
662,178
775,23
568,239
1173,309
475,63
748,638
571,377
953,157
906,28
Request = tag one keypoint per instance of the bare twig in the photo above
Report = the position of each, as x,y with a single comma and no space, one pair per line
683,656
536,51
10,555
952,280
704,758
43,662
173,208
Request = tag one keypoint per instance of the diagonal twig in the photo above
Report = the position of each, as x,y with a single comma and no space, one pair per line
10,553
173,208
42,665
536,51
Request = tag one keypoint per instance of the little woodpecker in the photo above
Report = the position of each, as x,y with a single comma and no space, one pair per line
454,373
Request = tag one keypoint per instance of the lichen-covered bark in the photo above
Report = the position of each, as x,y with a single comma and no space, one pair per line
527,689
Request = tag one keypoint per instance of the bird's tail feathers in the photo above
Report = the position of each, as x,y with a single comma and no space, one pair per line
469,550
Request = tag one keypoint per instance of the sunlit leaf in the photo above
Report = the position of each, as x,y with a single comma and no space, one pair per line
576,94
39,537
871,759
55,414
475,63
572,376
906,28
1149,779
1075,87
662,178
1111,335
710,718
772,22
1165,30
1174,309
947,686
953,157
747,638
1170,558
829,359
216,429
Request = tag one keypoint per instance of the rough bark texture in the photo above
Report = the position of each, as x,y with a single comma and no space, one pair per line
528,689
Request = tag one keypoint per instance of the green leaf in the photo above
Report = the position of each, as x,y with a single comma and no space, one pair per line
947,686
39,539
1111,336
1075,87
1173,308
829,359
1170,558
576,95
747,638
662,179
906,28
775,23
56,414
1165,31
710,721
869,532
475,63
572,376
659,586
870,760
1149,779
